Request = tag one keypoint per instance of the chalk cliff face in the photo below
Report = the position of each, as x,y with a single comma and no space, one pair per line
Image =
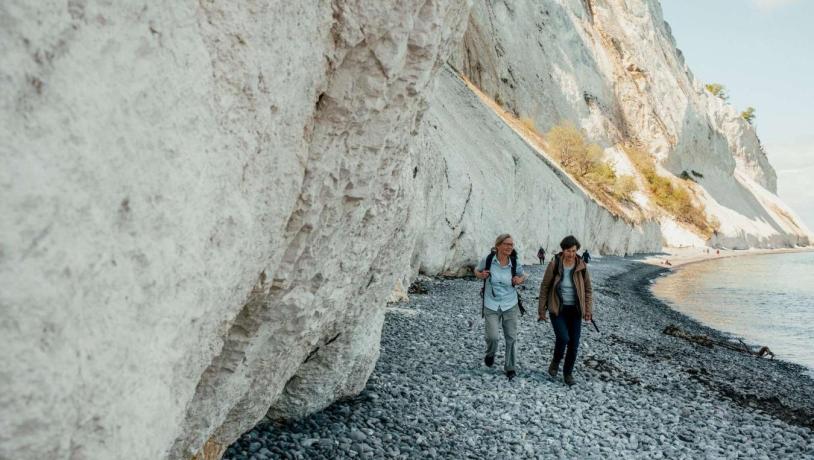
478,178
612,67
203,211
205,206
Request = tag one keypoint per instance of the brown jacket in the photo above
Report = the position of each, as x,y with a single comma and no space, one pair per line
549,296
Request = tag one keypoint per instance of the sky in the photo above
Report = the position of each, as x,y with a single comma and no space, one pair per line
762,51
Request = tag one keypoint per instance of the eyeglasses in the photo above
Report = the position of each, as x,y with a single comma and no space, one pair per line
507,244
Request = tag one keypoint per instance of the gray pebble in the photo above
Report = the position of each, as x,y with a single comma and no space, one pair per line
431,396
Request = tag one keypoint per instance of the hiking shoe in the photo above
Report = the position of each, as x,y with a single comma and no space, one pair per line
569,379
510,374
489,361
553,368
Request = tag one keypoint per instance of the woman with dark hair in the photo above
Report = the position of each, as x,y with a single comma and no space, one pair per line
500,299
566,293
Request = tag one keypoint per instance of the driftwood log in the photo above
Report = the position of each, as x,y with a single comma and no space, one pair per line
709,342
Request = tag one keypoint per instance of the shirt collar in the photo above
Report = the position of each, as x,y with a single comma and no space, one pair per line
497,261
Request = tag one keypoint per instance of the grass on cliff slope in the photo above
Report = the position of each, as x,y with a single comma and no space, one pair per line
596,176
672,196
584,161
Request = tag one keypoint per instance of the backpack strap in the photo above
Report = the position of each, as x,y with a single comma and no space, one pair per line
489,259
513,260
557,265
487,266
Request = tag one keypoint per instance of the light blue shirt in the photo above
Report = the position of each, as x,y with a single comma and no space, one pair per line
499,294
567,291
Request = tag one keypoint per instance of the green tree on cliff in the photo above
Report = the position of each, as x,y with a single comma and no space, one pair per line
748,114
717,89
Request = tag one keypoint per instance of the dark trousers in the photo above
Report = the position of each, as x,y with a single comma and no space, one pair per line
567,328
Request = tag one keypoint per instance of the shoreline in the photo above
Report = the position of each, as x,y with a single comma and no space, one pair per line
639,392
683,260
680,257
797,412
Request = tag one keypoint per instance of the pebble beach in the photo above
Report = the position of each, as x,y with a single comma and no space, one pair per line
640,393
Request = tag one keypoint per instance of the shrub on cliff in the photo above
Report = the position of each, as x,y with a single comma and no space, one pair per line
576,155
584,161
717,89
674,198
686,176
567,144
599,172
624,187
748,114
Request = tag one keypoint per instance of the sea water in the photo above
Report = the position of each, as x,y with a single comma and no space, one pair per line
763,299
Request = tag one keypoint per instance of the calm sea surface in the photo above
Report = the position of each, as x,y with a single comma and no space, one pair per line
764,299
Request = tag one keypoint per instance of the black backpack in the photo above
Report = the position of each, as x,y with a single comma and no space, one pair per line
488,266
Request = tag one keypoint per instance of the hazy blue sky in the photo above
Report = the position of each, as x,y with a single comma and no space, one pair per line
763,52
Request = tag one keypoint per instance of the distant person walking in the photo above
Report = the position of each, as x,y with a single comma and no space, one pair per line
566,293
586,256
541,255
501,308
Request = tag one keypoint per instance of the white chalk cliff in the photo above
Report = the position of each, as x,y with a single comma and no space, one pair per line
205,206
477,178
612,67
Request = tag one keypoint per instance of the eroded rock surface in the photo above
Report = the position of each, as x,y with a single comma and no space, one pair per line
202,212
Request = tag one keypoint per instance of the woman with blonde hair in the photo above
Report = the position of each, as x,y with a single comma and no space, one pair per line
501,273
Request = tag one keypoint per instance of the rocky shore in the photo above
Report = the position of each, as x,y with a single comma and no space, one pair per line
639,393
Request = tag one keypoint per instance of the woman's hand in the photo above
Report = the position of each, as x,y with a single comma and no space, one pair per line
587,316
517,280
542,318
483,275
